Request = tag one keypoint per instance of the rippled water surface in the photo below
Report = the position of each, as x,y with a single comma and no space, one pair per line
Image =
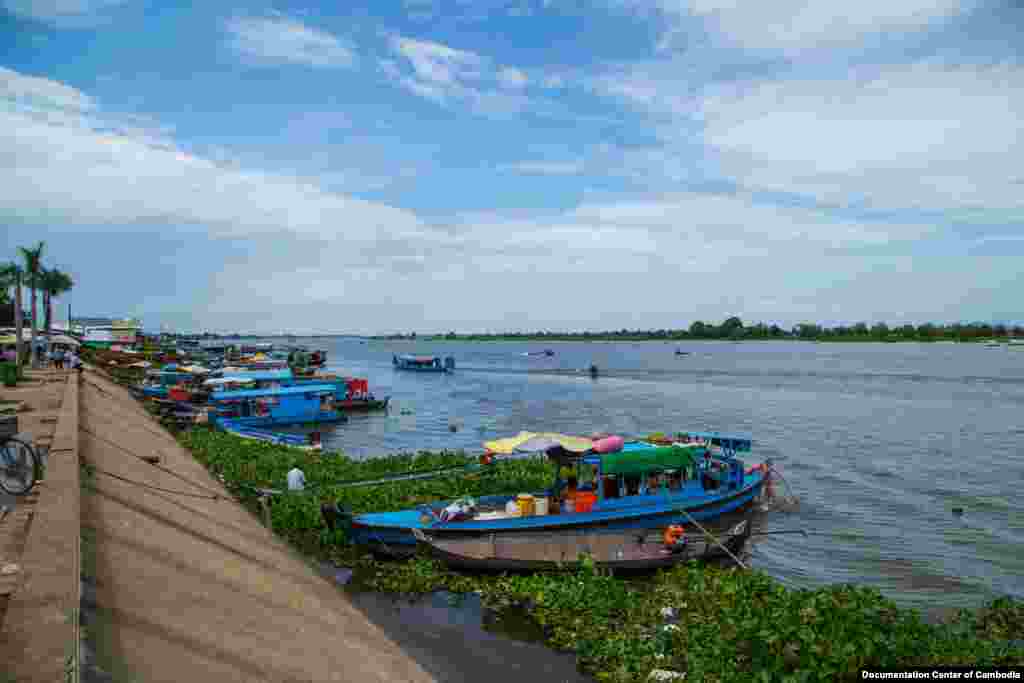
879,441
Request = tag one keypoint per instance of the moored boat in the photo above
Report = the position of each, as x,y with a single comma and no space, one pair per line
423,363
618,550
303,403
640,486
306,443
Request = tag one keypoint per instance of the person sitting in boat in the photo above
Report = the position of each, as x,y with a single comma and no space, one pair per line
708,478
653,484
611,486
675,480
569,492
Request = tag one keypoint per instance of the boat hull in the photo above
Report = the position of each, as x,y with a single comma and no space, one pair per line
393,532
270,421
619,551
356,405
414,368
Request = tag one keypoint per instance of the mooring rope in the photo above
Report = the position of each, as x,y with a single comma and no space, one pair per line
155,488
158,466
713,538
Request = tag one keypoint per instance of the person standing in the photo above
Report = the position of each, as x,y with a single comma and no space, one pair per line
296,479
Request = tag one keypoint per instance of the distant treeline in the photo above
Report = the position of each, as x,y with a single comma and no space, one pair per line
734,329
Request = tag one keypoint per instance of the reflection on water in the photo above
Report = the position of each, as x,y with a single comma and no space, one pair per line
880,442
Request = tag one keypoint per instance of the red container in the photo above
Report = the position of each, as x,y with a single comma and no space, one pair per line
176,394
585,501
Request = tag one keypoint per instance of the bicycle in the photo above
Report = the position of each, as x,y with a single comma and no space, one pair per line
18,466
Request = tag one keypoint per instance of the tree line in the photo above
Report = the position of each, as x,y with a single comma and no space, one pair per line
733,328
29,271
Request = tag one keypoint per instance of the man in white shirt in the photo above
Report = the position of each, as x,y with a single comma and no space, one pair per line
296,479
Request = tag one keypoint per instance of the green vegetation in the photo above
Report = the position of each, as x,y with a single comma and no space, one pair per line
722,625
734,329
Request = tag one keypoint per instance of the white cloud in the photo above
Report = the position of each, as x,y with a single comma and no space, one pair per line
66,161
447,76
62,13
32,92
512,78
795,25
927,135
95,169
545,167
282,39
439,71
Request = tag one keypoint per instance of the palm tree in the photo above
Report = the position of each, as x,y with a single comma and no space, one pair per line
53,283
33,269
12,275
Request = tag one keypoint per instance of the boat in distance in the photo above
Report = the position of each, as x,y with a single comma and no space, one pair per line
423,363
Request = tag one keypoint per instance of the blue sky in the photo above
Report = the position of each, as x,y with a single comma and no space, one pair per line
484,165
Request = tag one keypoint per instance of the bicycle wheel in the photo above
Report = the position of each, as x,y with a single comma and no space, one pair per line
17,467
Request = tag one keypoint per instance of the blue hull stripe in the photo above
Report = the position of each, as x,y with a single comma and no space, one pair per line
392,531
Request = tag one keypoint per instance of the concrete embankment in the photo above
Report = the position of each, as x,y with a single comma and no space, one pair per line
39,634
182,583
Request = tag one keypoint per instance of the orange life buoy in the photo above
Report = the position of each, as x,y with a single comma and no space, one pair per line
673,534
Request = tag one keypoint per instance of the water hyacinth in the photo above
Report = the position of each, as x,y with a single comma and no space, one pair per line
701,623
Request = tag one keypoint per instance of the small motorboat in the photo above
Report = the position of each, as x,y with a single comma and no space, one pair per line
680,352
626,550
364,404
423,363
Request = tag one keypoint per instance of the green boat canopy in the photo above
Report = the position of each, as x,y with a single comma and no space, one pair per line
653,459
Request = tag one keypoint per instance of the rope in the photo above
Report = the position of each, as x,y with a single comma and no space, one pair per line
156,465
794,499
712,537
156,488
162,435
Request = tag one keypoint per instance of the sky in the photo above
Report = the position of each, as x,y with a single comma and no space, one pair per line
493,165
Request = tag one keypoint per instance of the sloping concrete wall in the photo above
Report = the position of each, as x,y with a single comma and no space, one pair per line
189,586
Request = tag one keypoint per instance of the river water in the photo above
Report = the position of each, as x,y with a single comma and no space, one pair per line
881,442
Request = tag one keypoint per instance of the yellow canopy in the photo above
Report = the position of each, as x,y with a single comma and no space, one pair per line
530,442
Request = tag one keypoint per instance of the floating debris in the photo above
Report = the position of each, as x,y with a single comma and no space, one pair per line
959,512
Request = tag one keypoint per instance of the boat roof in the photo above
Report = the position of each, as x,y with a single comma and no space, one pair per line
533,442
257,375
277,391
418,359
637,461
733,442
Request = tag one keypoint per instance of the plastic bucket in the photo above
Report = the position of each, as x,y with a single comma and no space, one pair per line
540,505
525,502
585,502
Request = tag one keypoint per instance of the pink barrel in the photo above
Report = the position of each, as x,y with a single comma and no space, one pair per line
610,444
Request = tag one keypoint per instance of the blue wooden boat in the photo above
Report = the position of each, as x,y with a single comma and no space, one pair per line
157,382
423,363
292,440
640,487
305,403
